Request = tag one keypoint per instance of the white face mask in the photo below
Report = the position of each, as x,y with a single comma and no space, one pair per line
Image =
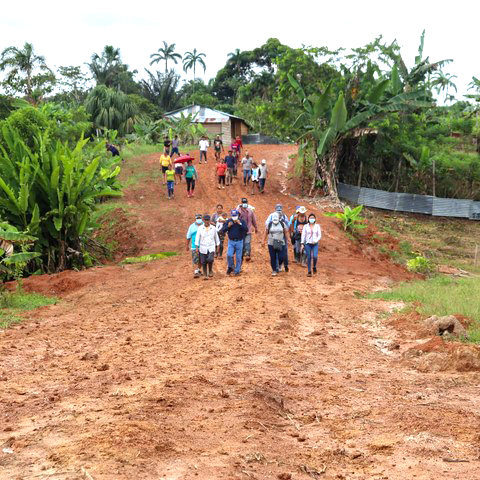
234,218
244,205
198,221
311,220
275,221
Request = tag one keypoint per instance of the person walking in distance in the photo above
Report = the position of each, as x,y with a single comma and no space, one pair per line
221,173
311,235
191,234
297,224
218,147
175,144
218,219
276,238
178,172
170,175
255,177
203,146
230,162
236,154
164,162
247,215
247,168
207,243
166,144
236,230
283,218
262,175
190,177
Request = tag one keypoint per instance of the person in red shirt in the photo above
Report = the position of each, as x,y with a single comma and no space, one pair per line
221,172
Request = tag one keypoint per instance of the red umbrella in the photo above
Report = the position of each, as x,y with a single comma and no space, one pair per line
183,159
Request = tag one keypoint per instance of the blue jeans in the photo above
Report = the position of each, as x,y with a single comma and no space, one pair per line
311,250
170,185
246,176
261,184
247,244
276,257
235,247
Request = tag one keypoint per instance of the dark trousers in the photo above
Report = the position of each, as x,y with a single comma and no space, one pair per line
203,153
206,260
276,258
190,184
221,179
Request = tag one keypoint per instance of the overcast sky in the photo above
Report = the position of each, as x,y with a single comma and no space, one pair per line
67,33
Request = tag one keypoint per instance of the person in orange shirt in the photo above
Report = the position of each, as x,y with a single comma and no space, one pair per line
221,172
165,162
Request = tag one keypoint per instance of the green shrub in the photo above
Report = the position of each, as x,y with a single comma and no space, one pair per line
420,265
50,192
350,218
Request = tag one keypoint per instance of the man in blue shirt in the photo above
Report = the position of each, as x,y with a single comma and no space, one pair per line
191,235
236,230
230,161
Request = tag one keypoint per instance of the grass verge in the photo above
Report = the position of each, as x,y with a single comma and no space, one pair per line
441,296
147,258
12,304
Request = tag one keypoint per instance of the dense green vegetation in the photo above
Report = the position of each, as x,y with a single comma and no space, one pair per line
360,116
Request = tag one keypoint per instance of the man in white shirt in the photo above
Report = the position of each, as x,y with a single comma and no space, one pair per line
203,145
207,242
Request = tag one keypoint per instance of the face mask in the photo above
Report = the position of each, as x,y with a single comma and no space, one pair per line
198,221
234,218
244,205
275,221
311,220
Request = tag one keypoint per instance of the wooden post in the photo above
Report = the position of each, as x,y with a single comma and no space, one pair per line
476,255
359,183
433,176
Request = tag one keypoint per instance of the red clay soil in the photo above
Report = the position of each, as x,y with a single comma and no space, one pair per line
142,372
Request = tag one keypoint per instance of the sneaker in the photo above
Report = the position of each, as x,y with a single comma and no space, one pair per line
314,269
229,271
274,273
223,187
210,274
196,275
286,269
309,274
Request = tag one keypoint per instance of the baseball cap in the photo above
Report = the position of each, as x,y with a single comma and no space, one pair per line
278,207
264,162
244,200
234,213
302,210
198,215
206,217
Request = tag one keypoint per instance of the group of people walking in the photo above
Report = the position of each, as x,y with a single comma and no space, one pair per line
206,238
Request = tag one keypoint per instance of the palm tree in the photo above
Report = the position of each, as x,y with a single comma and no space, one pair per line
442,82
166,53
162,89
24,62
190,60
105,67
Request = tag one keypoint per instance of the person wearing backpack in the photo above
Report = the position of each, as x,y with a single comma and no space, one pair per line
311,235
283,217
236,230
276,238
296,227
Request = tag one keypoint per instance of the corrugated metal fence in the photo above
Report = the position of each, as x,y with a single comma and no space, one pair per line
407,202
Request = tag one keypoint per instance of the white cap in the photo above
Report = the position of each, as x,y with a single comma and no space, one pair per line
264,162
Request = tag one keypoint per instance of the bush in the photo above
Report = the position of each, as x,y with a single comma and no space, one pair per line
49,192
420,265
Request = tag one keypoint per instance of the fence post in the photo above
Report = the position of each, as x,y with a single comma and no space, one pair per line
433,177
476,255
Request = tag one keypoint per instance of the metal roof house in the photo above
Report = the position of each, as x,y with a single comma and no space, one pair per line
215,122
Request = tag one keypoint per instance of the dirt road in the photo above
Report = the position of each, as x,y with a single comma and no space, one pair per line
142,372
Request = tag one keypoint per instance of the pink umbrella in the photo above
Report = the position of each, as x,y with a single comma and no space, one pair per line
183,159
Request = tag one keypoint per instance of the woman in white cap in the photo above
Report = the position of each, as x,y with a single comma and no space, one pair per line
296,226
311,235
276,238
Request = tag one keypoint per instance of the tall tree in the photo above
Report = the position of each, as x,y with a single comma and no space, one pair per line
74,82
21,78
162,89
442,82
190,60
167,52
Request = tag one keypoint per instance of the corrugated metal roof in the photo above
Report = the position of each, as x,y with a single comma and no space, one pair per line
204,114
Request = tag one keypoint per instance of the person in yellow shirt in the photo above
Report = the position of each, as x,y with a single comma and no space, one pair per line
164,162
170,174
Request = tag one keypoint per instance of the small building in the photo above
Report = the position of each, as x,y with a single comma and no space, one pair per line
215,122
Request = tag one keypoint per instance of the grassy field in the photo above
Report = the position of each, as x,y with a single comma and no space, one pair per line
441,295
12,304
